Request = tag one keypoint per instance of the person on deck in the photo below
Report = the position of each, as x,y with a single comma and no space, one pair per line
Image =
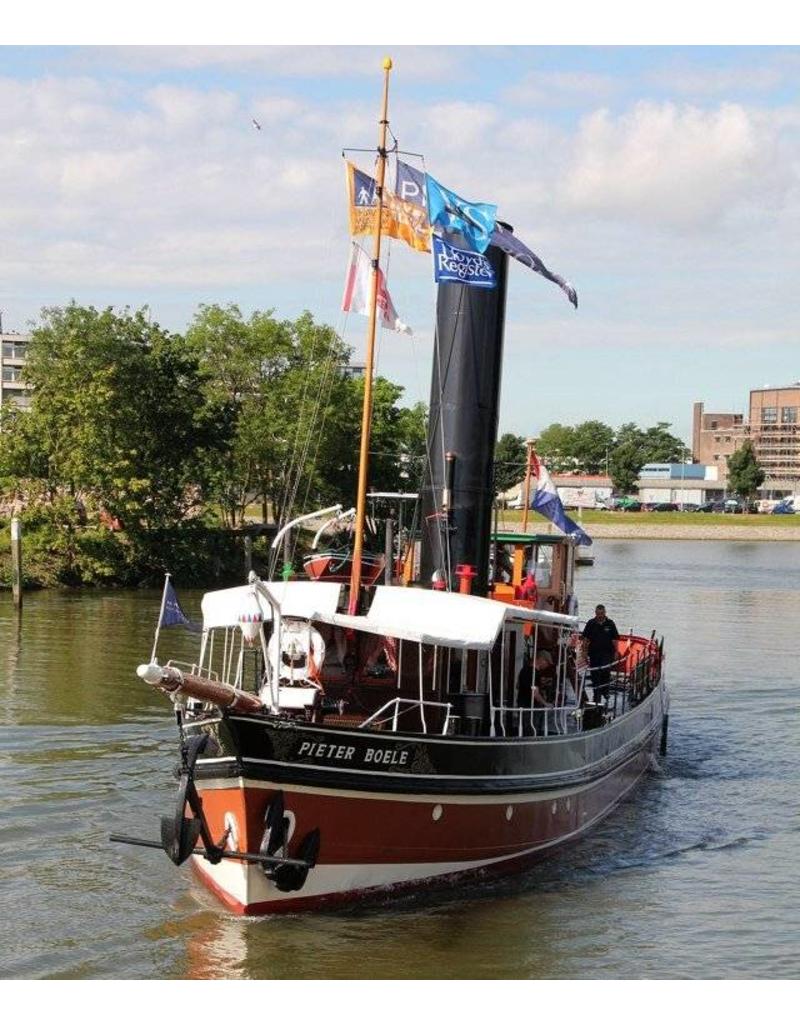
600,636
542,689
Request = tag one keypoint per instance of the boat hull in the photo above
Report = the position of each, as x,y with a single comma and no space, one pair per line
429,821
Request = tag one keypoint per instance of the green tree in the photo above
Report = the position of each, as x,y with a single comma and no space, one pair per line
397,443
661,446
624,465
633,448
116,417
275,386
745,475
509,462
556,447
591,445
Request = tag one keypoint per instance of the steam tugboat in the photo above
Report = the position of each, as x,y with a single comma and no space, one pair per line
341,738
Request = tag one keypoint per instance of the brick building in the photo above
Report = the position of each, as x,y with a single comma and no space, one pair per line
773,428
715,437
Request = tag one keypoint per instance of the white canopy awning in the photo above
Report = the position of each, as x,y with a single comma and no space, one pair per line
461,621
429,617
515,613
303,599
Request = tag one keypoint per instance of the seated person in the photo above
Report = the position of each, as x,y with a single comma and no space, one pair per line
544,681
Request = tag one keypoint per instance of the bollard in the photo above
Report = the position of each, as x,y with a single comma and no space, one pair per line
16,563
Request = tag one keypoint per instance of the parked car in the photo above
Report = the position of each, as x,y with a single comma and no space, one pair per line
663,506
630,505
689,506
712,506
784,508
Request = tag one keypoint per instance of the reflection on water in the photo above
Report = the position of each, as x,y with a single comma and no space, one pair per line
694,876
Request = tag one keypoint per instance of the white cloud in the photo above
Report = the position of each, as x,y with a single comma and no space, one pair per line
150,193
679,167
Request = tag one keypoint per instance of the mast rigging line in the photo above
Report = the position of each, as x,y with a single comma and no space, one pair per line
361,501
300,453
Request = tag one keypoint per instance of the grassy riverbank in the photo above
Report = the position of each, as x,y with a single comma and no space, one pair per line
672,525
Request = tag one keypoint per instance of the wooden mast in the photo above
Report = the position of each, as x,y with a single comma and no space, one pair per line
366,413
527,490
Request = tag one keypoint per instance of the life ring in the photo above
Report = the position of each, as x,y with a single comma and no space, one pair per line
302,652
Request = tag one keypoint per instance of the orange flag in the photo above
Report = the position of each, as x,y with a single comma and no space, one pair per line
399,219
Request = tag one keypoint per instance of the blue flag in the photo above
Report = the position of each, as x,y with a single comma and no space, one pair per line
364,189
511,245
544,499
470,224
410,184
461,266
172,613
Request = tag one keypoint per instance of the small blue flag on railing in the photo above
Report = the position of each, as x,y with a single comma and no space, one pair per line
461,266
462,222
171,613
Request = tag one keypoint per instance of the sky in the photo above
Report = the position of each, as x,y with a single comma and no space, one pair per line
662,181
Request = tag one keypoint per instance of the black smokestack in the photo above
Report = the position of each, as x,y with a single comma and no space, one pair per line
465,393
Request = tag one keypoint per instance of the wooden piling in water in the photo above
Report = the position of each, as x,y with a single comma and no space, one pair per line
16,563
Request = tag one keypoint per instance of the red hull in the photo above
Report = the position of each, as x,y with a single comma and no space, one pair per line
375,844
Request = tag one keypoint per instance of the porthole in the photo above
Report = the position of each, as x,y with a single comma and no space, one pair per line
554,808
437,812
509,812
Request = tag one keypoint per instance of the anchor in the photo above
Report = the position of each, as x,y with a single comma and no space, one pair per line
180,833
287,875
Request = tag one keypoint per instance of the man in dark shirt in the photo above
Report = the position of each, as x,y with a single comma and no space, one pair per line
600,635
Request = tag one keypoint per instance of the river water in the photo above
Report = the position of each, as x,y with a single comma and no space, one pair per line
695,876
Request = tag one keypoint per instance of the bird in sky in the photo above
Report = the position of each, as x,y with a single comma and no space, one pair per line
256,124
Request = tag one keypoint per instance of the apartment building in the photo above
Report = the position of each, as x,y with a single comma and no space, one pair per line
13,351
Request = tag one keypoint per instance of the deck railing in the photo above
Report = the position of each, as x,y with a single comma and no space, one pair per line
628,686
394,705
194,669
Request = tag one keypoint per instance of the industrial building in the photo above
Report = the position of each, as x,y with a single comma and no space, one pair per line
680,482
